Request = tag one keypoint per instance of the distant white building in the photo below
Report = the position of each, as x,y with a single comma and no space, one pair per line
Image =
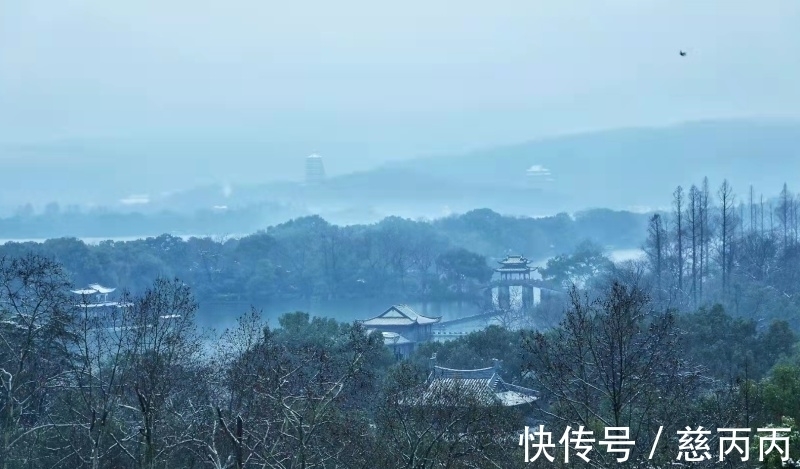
95,292
315,170
538,176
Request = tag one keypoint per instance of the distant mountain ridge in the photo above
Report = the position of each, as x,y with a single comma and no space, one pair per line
623,169
627,168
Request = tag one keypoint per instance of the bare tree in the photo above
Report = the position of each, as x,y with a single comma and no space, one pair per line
727,226
35,315
285,392
163,349
226,443
753,212
694,231
784,213
678,206
705,234
426,424
612,362
99,375
655,248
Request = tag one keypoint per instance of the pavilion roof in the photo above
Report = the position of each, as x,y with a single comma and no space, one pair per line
400,315
93,289
514,260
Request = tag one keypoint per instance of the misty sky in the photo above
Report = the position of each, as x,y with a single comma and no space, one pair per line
391,78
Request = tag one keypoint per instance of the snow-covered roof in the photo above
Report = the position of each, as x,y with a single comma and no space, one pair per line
484,385
107,304
514,260
400,315
94,289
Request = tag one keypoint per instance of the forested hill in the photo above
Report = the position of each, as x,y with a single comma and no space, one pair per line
311,258
622,168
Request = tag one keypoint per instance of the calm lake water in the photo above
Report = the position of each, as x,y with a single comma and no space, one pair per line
220,316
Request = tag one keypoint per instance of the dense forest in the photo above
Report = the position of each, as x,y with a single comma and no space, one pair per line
311,258
703,332
141,387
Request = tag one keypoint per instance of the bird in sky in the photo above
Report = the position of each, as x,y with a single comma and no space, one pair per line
683,54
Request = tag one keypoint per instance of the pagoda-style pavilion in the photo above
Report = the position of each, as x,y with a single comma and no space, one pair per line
514,268
515,271
99,292
402,327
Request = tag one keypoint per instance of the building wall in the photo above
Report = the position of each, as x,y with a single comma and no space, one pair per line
515,297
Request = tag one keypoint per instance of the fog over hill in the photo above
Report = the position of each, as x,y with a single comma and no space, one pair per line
626,169
631,168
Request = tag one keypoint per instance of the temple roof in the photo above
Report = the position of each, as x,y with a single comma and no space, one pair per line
515,261
484,384
400,315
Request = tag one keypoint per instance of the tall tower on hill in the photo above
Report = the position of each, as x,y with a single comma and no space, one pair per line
315,170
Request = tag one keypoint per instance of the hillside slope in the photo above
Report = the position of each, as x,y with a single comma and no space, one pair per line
635,167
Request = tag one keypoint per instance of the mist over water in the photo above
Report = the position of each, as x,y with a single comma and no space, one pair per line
223,315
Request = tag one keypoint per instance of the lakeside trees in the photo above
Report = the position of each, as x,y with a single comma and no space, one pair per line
311,258
136,388
719,248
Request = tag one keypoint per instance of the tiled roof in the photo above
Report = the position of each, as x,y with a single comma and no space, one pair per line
450,373
400,315
514,260
484,385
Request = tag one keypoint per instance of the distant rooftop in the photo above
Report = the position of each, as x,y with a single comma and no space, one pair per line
400,315
484,384
513,264
538,170
94,289
514,260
